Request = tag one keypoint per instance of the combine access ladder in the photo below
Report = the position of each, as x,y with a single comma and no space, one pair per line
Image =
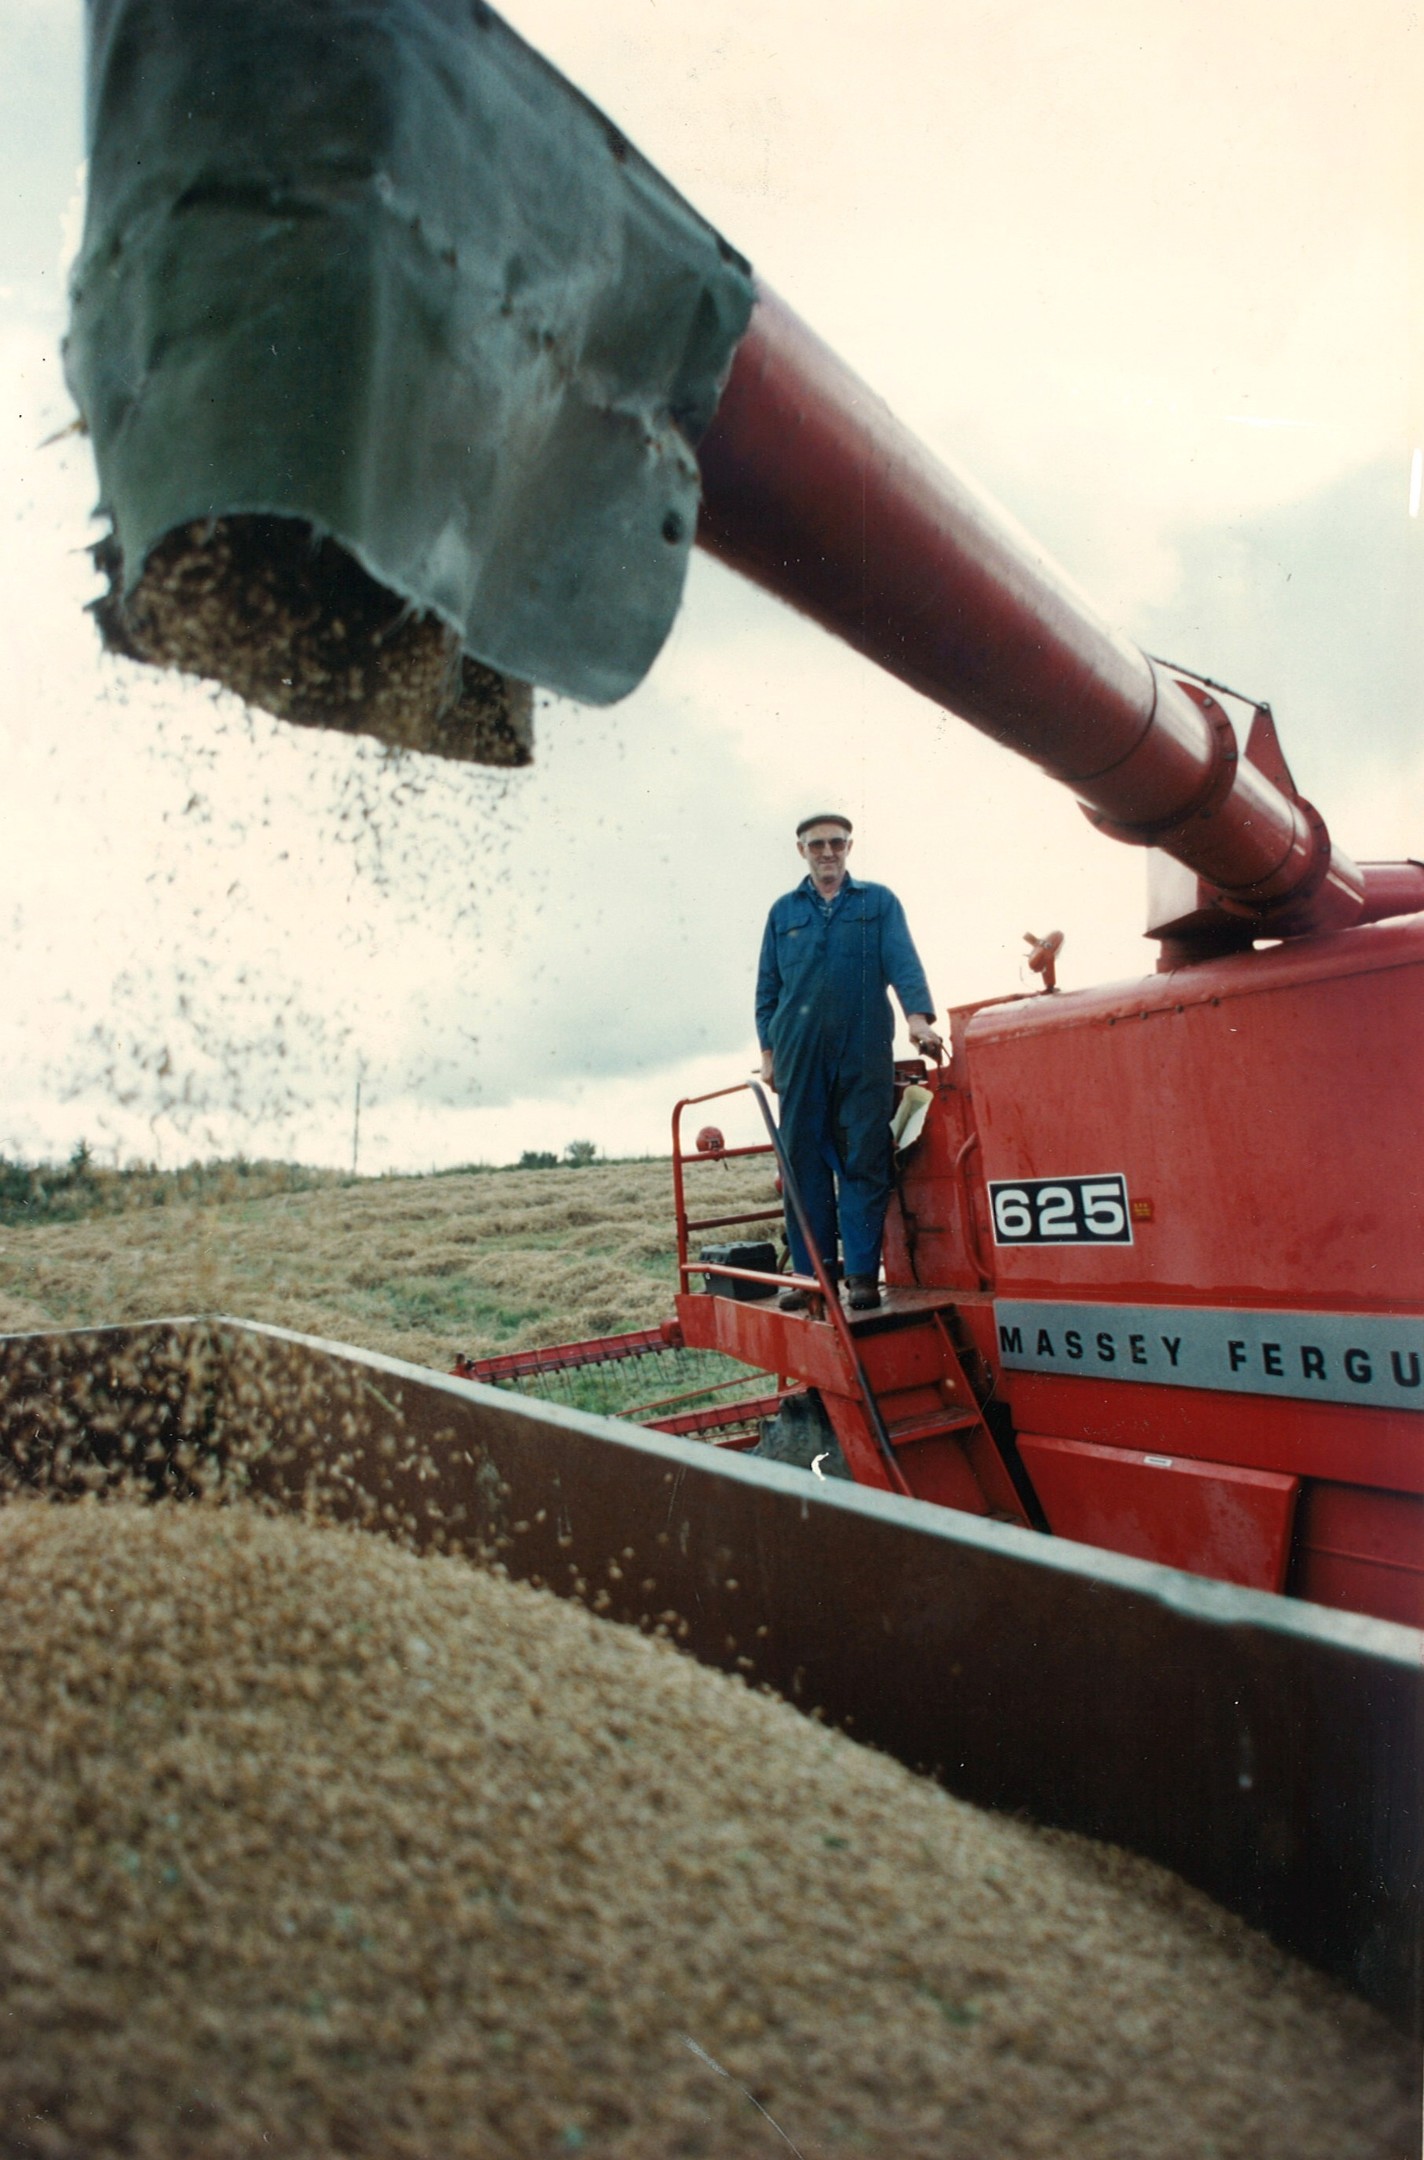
895,1381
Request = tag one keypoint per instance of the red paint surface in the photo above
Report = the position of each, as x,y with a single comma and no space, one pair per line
943,1448
1363,1550
1213,1518
1263,1432
1268,1106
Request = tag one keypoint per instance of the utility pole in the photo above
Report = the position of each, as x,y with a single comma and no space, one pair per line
356,1120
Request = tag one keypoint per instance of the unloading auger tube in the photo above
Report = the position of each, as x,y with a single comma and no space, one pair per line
812,488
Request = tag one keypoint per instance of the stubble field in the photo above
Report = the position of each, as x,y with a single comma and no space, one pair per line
420,1268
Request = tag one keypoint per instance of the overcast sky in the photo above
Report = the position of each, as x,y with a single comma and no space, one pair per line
1148,269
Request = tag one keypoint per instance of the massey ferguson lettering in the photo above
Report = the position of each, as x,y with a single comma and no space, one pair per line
1371,1358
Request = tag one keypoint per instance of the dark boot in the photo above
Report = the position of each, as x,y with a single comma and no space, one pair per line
862,1293
800,1300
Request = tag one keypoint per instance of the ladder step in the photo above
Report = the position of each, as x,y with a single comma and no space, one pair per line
904,1430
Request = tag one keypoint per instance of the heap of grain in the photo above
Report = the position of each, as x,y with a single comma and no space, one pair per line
291,622
311,1847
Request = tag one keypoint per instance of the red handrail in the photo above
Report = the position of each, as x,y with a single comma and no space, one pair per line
686,1267
819,1282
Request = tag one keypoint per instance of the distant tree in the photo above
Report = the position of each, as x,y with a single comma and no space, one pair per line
81,1159
17,1185
580,1152
538,1159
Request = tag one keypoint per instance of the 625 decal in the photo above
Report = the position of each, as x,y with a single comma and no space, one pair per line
1061,1211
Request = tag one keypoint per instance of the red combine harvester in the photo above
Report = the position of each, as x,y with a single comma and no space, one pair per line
1155,1272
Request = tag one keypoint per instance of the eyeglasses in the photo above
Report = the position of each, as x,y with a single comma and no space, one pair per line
836,847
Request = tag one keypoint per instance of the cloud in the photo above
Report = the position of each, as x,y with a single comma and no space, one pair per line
41,108
1318,607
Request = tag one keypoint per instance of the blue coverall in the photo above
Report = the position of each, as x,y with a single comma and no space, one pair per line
822,1009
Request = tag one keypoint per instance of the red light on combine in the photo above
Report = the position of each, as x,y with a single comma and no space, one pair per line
710,1141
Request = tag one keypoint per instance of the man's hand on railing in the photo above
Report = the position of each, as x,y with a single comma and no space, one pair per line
922,1034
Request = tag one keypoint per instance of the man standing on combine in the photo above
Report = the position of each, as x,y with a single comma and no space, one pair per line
832,949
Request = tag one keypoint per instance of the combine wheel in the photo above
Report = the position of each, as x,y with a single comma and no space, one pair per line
800,1434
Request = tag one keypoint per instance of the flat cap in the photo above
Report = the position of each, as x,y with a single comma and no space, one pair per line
824,817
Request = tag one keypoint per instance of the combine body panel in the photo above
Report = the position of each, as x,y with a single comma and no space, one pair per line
1238,1388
